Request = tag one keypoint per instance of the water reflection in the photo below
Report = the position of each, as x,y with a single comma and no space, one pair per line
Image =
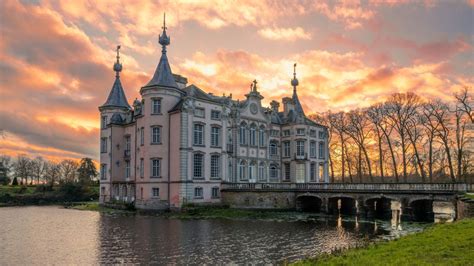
110,239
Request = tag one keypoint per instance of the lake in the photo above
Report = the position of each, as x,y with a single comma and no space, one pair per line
54,235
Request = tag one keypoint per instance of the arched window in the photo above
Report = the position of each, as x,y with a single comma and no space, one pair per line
243,134
253,135
273,172
273,148
261,136
261,171
252,171
242,170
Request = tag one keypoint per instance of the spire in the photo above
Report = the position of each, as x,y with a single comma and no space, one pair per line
296,101
117,65
163,75
254,88
117,96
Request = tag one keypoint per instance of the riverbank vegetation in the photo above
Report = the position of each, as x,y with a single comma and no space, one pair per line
441,244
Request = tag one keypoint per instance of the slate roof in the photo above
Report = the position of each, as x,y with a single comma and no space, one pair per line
163,75
117,96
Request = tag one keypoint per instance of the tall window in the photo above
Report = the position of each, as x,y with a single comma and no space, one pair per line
155,192
127,143
127,169
312,133
286,149
231,171
215,136
142,167
312,149
273,149
321,171
103,121
287,171
242,135
261,137
300,131
321,134
142,136
155,135
215,115
155,167
198,134
103,172
103,145
242,170
321,150
300,148
198,192
312,172
261,171
273,172
215,192
198,162
156,106
286,133
252,136
252,171
215,166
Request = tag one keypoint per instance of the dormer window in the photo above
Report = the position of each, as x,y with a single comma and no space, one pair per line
155,106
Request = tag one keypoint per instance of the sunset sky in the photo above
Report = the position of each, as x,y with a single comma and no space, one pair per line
56,57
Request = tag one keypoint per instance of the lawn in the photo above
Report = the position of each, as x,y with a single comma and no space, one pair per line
441,244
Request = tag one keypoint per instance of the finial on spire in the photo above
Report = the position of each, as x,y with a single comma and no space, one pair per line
294,81
163,39
117,65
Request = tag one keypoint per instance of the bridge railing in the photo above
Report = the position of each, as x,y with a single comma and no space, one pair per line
451,187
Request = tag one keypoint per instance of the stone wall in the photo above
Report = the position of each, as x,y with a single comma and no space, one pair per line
259,200
151,204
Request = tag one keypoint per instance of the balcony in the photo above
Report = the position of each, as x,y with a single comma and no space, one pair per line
126,154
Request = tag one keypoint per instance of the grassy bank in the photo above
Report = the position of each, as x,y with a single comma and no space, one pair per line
94,206
43,195
442,244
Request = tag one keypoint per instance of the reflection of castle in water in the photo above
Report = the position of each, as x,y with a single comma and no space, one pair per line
150,239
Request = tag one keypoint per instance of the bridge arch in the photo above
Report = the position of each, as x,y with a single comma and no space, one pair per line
422,209
342,204
308,203
379,207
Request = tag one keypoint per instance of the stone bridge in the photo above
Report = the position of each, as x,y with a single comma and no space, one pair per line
409,201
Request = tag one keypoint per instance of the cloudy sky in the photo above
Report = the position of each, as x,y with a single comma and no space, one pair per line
56,57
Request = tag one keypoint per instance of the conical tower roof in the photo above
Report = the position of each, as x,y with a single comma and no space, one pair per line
163,75
117,96
296,101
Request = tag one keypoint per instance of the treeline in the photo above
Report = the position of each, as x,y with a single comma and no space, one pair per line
403,139
24,170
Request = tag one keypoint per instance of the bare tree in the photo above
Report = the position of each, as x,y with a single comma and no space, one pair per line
415,135
23,168
375,115
52,172
402,107
464,100
337,123
430,125
460,130
358,129
441,114
69,170
38,168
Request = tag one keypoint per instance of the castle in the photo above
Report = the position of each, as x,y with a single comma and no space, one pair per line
178,144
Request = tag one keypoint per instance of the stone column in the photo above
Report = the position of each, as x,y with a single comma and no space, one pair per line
444,211
396,207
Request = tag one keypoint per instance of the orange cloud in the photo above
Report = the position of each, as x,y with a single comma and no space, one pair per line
286,34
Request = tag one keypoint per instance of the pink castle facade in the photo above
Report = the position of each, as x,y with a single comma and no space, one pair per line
178,144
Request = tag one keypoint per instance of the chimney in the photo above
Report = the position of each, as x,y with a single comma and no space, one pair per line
275,105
